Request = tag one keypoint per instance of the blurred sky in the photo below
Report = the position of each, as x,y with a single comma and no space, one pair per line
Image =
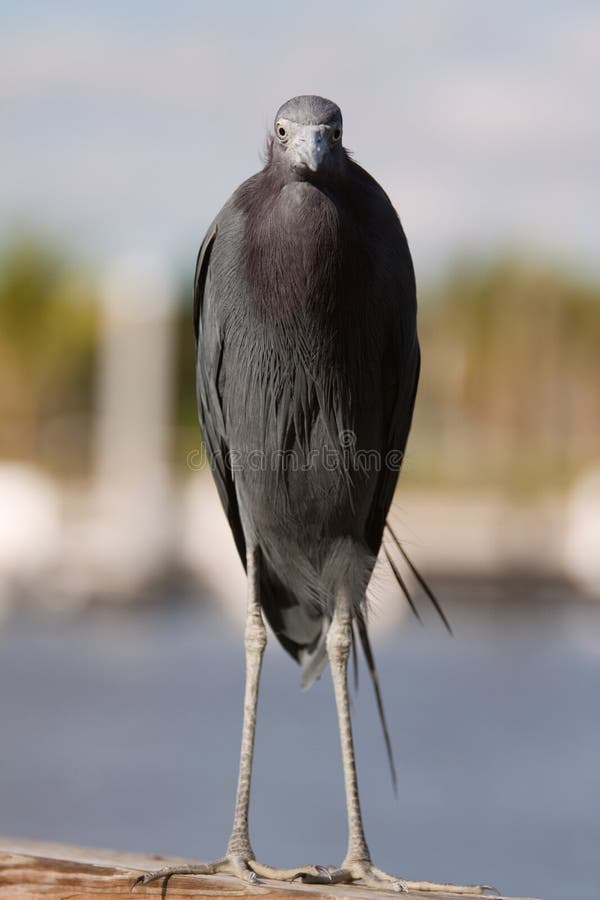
125,125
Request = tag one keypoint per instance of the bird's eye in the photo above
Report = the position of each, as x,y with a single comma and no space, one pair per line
282,133
337,133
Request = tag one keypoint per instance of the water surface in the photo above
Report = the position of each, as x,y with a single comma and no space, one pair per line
123,731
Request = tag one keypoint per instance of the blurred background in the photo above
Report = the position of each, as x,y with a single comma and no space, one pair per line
125,126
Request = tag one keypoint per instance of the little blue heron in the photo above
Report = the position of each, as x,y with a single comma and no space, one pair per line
307,370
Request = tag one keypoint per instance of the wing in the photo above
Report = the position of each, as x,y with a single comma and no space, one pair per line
401,362
274,596
400,365
393,302
209,355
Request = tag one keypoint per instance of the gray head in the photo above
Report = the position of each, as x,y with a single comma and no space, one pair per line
308,135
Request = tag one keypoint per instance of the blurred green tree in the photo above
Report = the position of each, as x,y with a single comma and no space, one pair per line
511,374
188,437
48,333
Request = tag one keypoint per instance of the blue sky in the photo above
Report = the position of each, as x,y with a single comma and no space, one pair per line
125,126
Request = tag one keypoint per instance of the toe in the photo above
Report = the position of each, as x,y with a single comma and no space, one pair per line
168,871
305,874
314,875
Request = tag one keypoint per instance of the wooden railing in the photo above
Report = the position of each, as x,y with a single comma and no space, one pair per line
31,870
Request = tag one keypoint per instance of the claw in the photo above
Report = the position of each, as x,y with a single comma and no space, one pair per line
149,877
307,877
326,872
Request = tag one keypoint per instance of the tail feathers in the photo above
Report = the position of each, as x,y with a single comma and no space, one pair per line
370,659
314,658
363,634
402,585
354,658
300,629
418,577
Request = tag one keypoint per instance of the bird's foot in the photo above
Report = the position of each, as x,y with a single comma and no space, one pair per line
306,874
350,872
227,865
242,867
364,872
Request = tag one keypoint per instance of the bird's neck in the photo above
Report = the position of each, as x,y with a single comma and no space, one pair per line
293,246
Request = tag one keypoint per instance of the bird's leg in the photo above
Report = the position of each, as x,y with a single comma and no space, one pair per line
239,852
255,641
339,640
239,857
357,865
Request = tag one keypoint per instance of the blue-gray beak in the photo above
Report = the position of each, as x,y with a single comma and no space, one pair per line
309,147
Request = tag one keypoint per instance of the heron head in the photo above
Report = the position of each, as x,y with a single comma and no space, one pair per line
308,135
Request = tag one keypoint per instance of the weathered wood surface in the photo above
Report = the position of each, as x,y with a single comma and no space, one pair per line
30,870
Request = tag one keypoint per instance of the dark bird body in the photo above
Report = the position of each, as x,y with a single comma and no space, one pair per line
306,318
307,369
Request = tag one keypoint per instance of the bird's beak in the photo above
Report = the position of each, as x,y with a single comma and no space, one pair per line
310,147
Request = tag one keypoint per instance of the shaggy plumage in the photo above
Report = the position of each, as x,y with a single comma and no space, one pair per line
308,362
